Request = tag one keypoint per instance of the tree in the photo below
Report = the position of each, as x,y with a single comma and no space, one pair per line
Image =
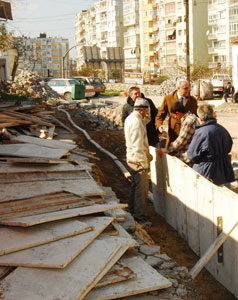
87,71
115,74
6,38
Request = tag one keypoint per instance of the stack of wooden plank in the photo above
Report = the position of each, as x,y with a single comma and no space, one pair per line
51,213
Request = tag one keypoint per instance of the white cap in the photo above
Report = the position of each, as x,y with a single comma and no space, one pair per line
141,103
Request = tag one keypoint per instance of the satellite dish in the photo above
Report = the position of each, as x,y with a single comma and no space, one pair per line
207,32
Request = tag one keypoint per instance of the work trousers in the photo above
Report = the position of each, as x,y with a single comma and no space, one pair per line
138,193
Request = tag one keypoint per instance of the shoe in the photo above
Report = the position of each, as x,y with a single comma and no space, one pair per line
143,222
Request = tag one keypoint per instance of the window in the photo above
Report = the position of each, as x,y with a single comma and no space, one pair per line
234,28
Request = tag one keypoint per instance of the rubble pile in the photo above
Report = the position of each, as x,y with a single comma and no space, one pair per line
109,117
30,85
166,87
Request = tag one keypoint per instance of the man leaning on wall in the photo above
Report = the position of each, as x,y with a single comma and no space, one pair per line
210,147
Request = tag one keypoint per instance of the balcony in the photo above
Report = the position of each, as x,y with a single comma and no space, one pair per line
212,65
212,36
212,51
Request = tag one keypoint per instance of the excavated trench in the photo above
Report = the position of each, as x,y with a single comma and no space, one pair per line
108,174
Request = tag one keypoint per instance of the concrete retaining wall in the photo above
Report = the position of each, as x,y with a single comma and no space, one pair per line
192,204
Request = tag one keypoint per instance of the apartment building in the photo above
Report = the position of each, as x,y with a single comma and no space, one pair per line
173,31
223,19
132,53
149,39
85,35
43,55
109,24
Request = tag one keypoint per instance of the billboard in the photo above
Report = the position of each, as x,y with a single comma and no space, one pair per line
131,77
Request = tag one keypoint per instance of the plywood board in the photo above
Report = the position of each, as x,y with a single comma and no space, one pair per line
38,160
55,144
43,176
147,279
118,273
125,244
31,206
15,239
14,191
29,150
6,167
60,253
68,283
59,215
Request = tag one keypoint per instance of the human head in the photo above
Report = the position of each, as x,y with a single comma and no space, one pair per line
178,109
205,112
134,92
182,87
229,84
141,105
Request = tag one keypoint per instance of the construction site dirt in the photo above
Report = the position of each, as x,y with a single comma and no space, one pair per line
108,174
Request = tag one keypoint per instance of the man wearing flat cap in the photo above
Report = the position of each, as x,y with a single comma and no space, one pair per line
138,159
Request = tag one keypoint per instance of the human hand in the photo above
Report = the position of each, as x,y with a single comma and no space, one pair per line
161,128
160,152
150,157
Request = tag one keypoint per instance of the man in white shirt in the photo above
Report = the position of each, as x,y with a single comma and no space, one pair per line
138,159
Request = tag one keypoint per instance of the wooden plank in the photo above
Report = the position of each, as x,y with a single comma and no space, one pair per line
60,215
118,273
46,284
125,244
60,253
43,176
210,252
44,205
15,239
55,144
147,279
30,150
14,191
39,160
6,167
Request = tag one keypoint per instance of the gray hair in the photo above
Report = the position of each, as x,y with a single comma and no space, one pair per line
179,82
205,112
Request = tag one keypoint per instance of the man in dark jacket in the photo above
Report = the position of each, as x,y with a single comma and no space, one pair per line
228,91
152,134
210,147
182,95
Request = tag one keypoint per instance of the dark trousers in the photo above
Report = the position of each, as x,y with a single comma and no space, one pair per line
138,193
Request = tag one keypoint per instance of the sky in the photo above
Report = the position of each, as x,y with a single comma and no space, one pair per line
53,17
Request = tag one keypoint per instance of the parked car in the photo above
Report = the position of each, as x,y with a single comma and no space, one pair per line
98,85
63,86
89,88
219,81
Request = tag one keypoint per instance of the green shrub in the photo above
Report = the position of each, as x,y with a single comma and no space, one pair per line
161,79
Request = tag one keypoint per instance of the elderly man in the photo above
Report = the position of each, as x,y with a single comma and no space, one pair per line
188,125
152,134
138,159
182,95
210,147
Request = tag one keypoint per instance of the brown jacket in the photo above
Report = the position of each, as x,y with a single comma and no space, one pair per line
174,125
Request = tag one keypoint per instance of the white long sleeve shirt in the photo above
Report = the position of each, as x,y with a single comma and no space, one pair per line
137,147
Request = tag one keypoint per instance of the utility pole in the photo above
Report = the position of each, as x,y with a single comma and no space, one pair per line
187,40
